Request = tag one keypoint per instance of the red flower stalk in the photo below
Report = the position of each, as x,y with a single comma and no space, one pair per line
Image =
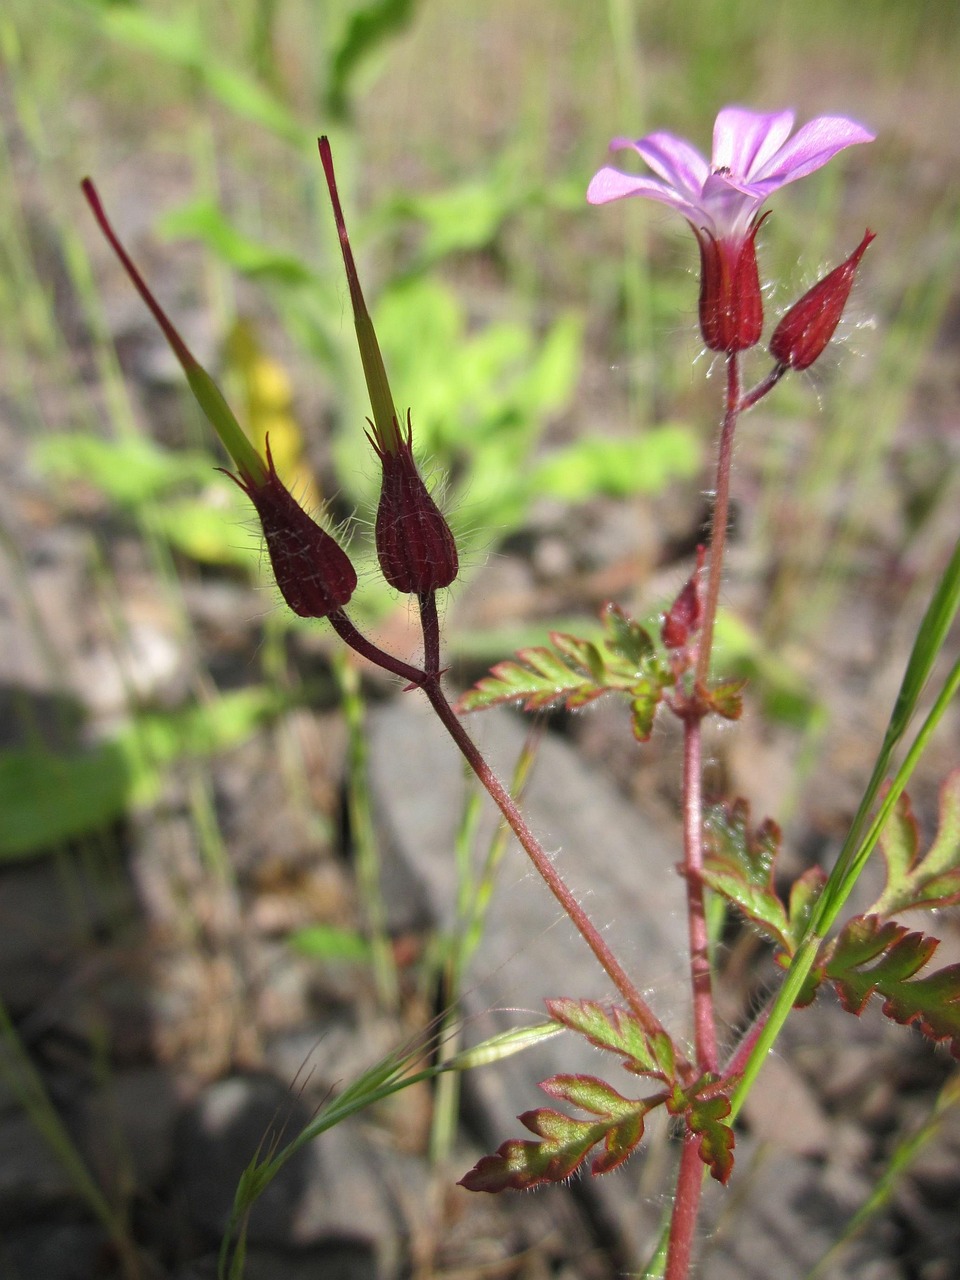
808,326
415,545
312,570
731,305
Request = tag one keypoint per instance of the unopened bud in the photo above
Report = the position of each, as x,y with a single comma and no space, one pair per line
312,570
415,545
808,326
731,305
684,617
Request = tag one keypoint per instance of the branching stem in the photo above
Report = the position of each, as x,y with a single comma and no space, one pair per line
532,846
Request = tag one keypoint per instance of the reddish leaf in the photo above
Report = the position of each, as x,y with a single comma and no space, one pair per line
739,865
929,881
611,1027
895,956
705,1107
725,698
564,1143
573,672
708,1119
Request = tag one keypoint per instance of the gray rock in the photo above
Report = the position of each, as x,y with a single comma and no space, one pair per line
31,1176
789,1213
328,1191
52,1251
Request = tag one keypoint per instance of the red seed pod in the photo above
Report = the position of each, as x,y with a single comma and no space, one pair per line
731,304
415,546
684,617
312,570
808,326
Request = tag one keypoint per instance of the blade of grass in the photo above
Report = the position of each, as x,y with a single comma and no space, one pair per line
28,1087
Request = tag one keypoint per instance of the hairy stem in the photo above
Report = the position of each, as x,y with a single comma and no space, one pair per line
704,1023
686,1207
721,510
349,634
531,845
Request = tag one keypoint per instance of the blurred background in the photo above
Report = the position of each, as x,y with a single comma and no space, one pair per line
233,864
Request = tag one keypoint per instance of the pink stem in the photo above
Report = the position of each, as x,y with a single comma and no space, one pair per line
704,1023
686,1207
532,847
721,510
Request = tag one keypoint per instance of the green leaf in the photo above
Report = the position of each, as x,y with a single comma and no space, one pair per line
914,881
576,671
619,1031
47,798
564,1142
643,709
538,679
725,698
627,638
204,221
895,956
621,468
177,38
367,29
707,1117
329,942
739,865
210,533
131,471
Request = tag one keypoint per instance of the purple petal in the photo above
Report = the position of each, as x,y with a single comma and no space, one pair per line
809,149
744,141
610,184
676,161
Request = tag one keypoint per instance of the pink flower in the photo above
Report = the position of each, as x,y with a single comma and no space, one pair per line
753,156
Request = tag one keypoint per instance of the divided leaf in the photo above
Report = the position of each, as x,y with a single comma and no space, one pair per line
538,679
739,865
872,956
563,1142
573,672
932,880
705,1107
726,698
618,1030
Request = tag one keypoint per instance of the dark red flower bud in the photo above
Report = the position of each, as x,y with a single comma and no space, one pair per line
313,572
415,546
682,620
731,305
808,326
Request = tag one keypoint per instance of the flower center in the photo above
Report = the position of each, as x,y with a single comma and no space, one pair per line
723,171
